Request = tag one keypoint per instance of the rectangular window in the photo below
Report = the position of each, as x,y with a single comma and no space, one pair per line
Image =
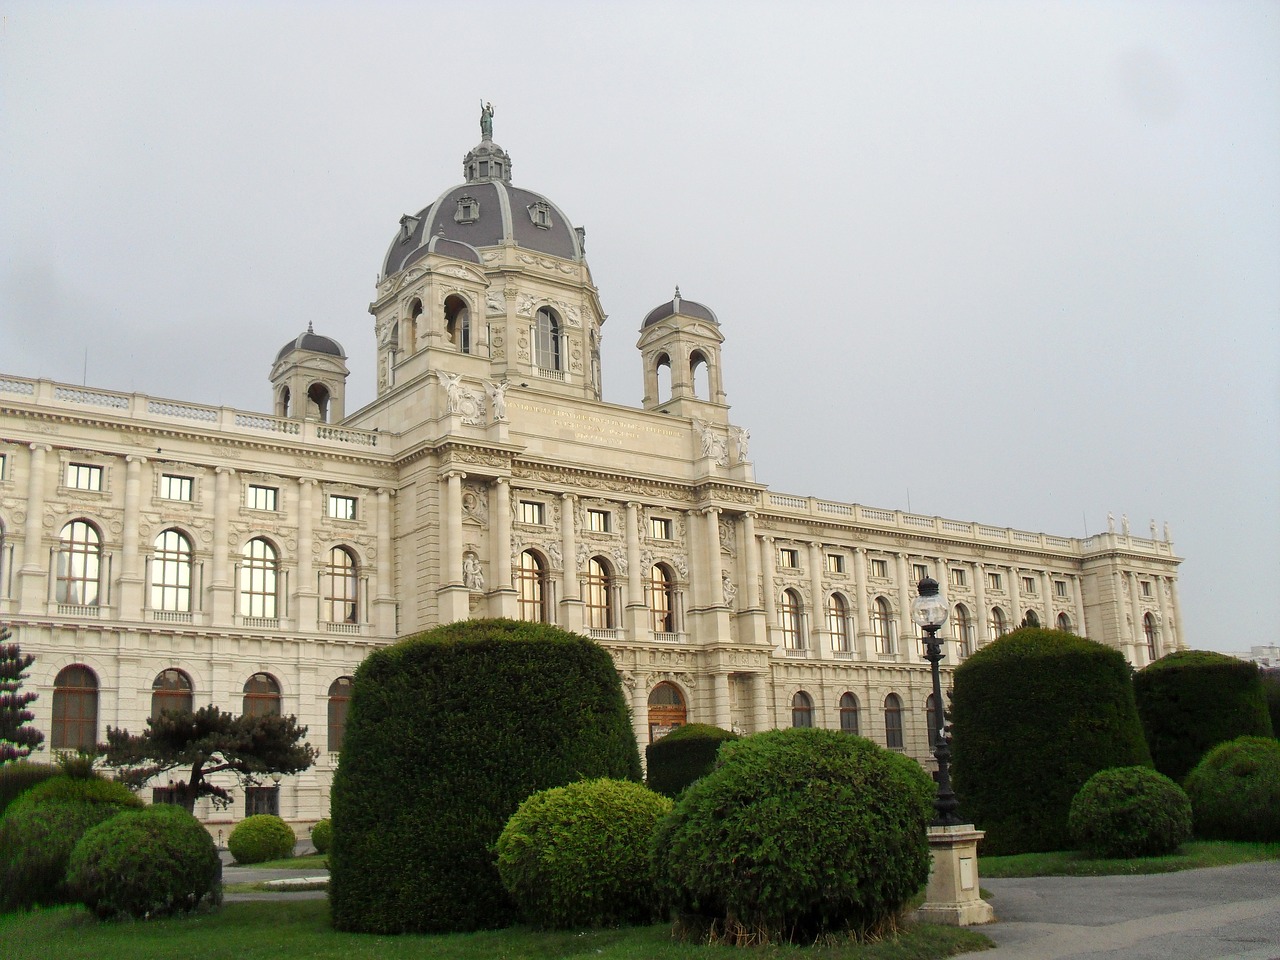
835,563
176,488
995,581
3,463
958,577
598,521
1028,585
342,508
659,528
531,511
84,476
1146,587
919,571
880,568
261,800
263,498
788,557
1060,587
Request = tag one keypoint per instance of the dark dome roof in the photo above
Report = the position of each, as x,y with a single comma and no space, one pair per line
315,343
677,304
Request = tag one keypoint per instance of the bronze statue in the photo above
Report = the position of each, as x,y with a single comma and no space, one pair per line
486,120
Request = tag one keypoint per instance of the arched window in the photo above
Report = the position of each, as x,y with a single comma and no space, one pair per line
882,627
838,623
1032,619
546,347
931,719
849,713
801,710
259,579
531,580
998,625
1149,634
1064,623
790,609
662,373
699,377
598,584
79,564
171,573
75,709
261,696
893,722
341,583
410,328
339,703
962,628
662,615
457,322
318,402
171,693
666,710
283,409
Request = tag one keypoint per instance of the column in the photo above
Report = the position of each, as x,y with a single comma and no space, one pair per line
761,719
637,619
221,588
129,602
906,629
720,700
384,603
818,618
749,594
1140,655
862,641
1015,597
640,710
1177,615
502,597
982,635
571,599
770,600
33,586
308,589
1046,581
1165,636
1077,591
454,597
713,580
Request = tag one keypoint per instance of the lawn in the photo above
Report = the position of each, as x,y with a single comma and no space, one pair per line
1190,856
282,930
318,862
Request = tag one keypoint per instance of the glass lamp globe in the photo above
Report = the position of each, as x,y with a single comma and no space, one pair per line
930,607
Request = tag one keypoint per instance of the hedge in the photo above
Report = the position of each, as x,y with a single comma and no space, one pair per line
682,756
260,838
1128,812
20,776
448,732
1235,791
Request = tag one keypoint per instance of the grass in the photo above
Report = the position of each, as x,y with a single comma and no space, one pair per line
282,930
1190,856
312,861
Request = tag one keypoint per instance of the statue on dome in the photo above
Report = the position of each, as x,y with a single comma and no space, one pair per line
486,120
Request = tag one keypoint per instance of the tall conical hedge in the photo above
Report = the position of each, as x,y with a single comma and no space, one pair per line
1035,715
683,756
448,732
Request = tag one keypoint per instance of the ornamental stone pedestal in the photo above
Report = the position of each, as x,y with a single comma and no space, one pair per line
952,897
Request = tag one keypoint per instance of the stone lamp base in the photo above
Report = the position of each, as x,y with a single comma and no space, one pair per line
952,897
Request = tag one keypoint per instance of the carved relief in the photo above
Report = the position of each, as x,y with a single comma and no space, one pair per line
475,503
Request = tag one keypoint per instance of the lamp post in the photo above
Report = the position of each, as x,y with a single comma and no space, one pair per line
929,611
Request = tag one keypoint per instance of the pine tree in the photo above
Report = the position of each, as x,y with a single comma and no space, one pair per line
17,739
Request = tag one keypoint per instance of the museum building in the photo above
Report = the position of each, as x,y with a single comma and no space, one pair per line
159,554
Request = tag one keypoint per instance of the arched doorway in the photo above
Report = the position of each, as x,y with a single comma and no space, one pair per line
666,710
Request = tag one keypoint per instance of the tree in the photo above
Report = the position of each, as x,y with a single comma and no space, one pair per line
17,740
209,741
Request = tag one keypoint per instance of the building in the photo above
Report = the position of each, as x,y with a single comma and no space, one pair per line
157,552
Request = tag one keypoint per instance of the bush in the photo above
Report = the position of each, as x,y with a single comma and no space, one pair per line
797,833
35,845
578,856
322,836
1034,715
449,732
1235,791
146,863
260,838
1271,689
1192,700
20,776
683,755
1129,812
66,789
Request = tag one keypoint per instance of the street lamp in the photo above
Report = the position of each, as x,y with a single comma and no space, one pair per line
929,611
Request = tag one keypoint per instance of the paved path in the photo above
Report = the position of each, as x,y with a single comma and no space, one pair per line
1222,913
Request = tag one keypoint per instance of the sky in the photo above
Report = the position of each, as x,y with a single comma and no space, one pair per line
1009,262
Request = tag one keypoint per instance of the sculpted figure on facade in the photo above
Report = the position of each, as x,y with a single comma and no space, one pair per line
620,559
472,575
486,120
498,398
455,390
727,589
474,503
741,443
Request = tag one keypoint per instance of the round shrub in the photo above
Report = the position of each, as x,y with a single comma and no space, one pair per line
262,837
146,863
1235,791
1034,715
322,836
449,732
1192,700
1129,812
35,845
683,755
65,789
797,833
19,777
578,856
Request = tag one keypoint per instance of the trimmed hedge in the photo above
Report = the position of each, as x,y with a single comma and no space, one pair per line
65,789
796,834
1271,689
449,731
260,838
1235,791
1130,812
20,776
322,836
683,755
1034,715
1192,700
146,863
578,856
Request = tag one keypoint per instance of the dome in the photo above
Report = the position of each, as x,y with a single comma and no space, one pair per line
679,305
315,343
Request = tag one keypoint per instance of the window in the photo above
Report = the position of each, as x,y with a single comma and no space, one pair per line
261,696
893,722
262,800
788,557
919,571
1145,585
660,528
994,581
79,564
533,512
171,693
262,498
540,214
882,626
880,568
84,476
341,587
259,577
1149,634
666,710
171,573
1064,623
998,625
1032,619
801,710
4,462
339,703
835,563
546,345
662,618
342,508
790,608
176,488
1060,588
1029,585
962,628
457,323
531,582
598,585
931,718
468,210
848,713
838,623
958,577
599,521
75,709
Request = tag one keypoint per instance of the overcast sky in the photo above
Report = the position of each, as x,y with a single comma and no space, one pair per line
1046,233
